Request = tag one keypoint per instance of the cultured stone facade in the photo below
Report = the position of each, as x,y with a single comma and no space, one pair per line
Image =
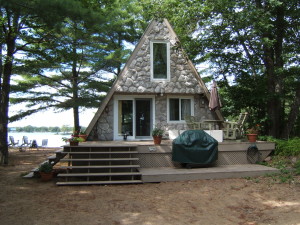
136,80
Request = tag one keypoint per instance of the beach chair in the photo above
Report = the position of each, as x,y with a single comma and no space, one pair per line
44,143
12,142
25,142
34,144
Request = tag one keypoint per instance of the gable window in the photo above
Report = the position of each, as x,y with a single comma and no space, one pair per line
179,108
160,60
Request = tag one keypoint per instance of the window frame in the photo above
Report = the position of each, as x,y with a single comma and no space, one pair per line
168,60
180,98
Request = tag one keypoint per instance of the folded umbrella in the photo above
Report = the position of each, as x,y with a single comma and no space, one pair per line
214,101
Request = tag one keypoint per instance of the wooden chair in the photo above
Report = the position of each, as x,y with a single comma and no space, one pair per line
193,124
232,130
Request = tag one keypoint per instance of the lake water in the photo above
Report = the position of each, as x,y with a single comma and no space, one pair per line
54,140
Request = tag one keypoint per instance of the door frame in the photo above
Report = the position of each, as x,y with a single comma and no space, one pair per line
117,136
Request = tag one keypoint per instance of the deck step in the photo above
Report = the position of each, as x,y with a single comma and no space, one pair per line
52,157
98,174
29,175
100,182
100,167
59,151
114,152
99,160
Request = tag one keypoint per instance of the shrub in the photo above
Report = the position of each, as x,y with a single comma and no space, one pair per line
290,147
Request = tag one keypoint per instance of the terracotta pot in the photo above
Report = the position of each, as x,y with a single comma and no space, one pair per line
83,136
46,176
74,143
157,140
252,137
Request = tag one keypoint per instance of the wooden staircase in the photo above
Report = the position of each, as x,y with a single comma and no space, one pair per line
90,165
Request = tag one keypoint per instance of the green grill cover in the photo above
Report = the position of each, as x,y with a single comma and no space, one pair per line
195,147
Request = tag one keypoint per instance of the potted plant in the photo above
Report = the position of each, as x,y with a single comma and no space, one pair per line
46,171
73,140
157,134
82,135
252,133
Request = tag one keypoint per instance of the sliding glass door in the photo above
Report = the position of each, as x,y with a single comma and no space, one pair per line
134,118
143,117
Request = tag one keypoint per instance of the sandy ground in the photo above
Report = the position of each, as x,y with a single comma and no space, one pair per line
231,201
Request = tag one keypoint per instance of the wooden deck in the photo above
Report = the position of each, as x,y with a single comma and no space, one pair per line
156,161
165,174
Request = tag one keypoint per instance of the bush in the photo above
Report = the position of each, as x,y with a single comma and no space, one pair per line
290,147
297,167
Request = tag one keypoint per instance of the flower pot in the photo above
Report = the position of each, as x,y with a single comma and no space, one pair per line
252,137
83,136
157,140
74,143
46,176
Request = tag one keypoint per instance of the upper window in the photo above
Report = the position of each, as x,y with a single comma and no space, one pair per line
179,108
160,60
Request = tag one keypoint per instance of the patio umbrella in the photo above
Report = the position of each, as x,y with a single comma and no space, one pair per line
214,101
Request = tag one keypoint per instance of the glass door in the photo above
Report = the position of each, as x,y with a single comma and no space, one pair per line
134,118
125,117
143,118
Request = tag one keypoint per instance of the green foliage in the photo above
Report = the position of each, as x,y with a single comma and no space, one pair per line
71,67
289,147
288,169
297,167
284,176
45,167
250,47
73,139
157,132
31,129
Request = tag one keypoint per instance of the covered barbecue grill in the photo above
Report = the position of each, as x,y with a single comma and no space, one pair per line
195,147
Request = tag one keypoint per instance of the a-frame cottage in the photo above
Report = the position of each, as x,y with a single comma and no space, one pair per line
158,86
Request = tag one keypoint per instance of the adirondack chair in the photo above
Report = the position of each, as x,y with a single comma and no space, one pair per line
193,124
44,143
12,142
233,130
25,142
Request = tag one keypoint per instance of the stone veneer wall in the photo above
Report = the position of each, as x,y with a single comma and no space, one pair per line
136,79
104,127
103,130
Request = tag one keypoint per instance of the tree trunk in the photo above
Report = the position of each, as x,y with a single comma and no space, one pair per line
292,115
274,89
75,91
273,63
76,120
4,98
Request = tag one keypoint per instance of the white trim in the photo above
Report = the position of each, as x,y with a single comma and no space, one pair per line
118,137
168,60
179,97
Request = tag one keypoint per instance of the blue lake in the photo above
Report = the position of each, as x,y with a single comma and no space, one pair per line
54,140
